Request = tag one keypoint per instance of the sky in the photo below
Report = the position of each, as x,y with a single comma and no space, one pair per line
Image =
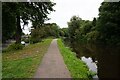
27,28
65,9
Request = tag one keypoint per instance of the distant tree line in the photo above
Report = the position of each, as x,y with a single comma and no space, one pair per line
44,31
48,30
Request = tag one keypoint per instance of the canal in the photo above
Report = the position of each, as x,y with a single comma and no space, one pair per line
104,60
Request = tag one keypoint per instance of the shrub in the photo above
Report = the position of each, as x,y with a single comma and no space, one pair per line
36,36
34,40
26,40
14,47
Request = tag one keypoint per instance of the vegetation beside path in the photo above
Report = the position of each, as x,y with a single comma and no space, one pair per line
77,68
24,63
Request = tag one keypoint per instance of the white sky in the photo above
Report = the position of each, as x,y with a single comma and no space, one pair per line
27,28
65,9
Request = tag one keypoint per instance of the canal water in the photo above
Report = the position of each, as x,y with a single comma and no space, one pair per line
103,60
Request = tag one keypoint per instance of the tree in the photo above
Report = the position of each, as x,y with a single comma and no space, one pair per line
73,25
94,22
86,27
44,31
108,24
55,30
64,32
35,11
8,20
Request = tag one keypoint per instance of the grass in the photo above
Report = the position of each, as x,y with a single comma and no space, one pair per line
77,68
24,63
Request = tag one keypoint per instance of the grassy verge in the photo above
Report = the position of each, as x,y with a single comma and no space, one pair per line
77,68
24,63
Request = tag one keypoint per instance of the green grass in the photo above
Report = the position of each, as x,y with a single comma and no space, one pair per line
24,63
77,68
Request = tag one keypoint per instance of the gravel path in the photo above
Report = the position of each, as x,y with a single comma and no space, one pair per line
52,65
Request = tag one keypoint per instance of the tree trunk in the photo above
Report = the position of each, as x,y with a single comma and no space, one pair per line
18,30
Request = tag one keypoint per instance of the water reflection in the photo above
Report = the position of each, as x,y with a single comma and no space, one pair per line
92,66
101,59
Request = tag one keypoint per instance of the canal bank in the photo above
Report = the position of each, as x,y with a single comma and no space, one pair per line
77,67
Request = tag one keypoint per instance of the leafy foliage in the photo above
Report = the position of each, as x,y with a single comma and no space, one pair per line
108,23
63,32
103,30
44,31
78,29
8,20
35,11
14,47
73,25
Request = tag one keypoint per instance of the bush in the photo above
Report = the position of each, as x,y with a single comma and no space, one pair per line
36,36
26,40
14,47
35,40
